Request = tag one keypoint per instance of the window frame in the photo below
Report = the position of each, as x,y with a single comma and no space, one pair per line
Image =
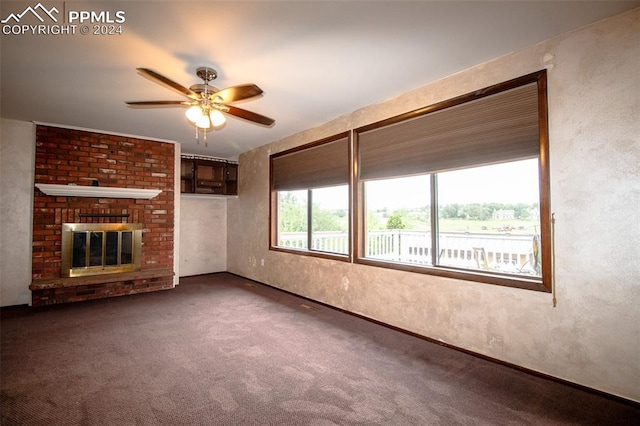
273,209
358,207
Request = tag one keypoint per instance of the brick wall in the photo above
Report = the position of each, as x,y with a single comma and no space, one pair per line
66,156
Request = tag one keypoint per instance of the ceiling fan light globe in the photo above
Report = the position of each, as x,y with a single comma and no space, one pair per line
194,113
203,121
217,118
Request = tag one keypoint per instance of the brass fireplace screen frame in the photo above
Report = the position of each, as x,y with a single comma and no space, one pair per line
85,260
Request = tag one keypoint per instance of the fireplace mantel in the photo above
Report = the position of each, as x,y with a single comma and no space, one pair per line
96,191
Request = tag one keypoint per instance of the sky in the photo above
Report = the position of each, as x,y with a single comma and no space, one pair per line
515,182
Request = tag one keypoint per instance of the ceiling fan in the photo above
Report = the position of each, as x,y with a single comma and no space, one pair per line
206,104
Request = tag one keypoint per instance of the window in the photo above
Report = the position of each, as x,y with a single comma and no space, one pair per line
489,218
292,214
398,219
329,231
310,199
460,189
330,219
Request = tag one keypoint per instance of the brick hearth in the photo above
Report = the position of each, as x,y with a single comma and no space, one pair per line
65,156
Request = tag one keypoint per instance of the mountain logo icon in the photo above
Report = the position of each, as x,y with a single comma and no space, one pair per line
38,11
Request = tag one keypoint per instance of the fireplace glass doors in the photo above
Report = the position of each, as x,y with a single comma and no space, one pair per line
100,248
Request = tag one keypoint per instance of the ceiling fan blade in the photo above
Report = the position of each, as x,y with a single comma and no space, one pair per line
157,78
248,115
157,103
238,93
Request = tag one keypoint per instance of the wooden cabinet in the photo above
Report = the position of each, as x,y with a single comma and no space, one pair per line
186,175
210,177
203,176
231,180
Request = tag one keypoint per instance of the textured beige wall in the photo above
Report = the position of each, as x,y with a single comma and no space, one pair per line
593,335
203,235
17,153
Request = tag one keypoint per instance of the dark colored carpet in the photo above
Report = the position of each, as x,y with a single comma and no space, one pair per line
222,350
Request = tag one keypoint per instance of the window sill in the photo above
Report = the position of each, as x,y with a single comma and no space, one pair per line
320,254
535,284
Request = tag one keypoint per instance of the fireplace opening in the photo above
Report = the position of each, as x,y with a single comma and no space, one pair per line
100,248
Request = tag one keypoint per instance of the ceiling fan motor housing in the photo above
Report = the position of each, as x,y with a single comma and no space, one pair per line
206,73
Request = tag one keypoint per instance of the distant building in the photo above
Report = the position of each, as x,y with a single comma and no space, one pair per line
504,214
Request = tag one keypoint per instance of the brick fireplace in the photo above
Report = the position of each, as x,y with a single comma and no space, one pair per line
114,167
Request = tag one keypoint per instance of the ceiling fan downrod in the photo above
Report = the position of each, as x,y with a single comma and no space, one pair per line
206,74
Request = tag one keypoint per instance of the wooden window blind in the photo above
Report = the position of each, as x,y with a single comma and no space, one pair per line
321,164
474,130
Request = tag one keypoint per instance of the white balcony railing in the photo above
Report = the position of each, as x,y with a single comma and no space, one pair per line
493,252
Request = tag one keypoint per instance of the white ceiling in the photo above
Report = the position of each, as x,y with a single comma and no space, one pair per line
315,60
